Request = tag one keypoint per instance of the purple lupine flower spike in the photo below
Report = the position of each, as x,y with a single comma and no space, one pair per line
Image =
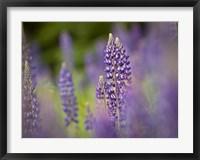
31,122
31,108
89,119
67,96
118,78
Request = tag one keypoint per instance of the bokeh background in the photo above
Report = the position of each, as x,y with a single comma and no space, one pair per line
153,51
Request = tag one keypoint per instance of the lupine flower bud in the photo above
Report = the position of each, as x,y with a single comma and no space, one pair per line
67,96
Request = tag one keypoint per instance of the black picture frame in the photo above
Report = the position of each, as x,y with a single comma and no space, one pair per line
4,4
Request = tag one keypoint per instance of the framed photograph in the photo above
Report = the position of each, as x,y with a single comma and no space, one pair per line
99,79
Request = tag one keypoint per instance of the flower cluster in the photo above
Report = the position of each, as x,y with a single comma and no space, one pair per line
31,122
118,78
31,107
67,95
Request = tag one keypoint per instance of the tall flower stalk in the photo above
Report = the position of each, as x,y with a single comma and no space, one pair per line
31,107
31,122
67,96
118,78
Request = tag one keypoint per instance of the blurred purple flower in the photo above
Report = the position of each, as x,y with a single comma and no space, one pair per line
94,62
67,49
102,127
92,69
174,30
153,103
67,96
100,44
139,123
42,70
135,38
166,118
152,55
89,119
131,39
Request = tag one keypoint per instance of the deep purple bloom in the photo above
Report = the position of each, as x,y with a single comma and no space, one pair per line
118,78
67,96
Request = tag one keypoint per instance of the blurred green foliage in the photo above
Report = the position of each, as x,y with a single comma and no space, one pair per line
84,35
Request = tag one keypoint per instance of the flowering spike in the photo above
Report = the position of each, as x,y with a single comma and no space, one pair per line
31,109
67,96
118,77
